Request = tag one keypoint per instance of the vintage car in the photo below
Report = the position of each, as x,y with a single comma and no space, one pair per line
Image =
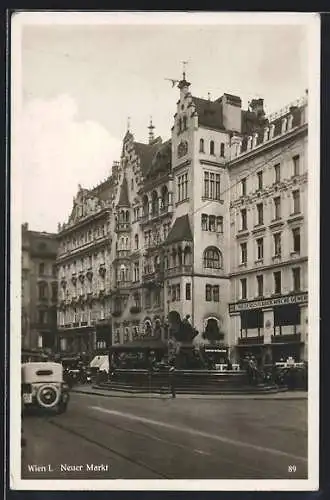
43,386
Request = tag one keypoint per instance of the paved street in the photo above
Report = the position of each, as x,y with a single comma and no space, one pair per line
146,438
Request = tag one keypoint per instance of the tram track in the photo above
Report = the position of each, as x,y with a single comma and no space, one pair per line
146,435
105,447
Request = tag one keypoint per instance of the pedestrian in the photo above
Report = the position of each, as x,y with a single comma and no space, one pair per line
172,381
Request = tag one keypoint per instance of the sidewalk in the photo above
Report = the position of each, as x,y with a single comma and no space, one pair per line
92,390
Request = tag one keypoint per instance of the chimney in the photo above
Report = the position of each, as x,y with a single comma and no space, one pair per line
257,107
231,112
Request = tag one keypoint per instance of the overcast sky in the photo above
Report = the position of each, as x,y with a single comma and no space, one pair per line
80,83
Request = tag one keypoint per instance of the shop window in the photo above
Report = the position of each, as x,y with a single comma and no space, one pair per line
288,314
253,319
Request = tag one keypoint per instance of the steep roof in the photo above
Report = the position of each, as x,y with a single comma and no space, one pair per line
123,195
180,230
146,153
209,113
162,160
42,244
105,189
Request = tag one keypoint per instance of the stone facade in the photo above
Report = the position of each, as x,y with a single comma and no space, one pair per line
162,234
39,289
268,221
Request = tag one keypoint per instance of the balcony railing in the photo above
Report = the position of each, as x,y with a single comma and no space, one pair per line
251,340
185,269
122,254
278,339
123,284
123,227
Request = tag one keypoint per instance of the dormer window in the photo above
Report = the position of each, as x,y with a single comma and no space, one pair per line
211,147
201,145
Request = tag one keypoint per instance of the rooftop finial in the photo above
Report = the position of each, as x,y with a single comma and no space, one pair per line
209,96
128,123
151,131
184,64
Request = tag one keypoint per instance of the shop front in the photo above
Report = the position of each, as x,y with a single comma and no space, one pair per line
77,340
271,330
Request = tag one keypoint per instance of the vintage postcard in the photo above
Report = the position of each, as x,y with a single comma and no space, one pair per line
164,251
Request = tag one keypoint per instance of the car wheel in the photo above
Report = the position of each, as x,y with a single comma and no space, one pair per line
48,396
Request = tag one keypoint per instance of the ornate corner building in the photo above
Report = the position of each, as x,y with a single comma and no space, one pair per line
178,225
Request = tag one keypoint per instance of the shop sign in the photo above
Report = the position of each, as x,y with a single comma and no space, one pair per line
260,303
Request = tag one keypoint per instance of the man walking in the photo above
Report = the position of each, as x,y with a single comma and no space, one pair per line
171,377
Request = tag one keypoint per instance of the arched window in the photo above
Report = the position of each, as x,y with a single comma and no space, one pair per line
165,198
211,147
212,258
136,239
222,149
201,145
145,206
154,203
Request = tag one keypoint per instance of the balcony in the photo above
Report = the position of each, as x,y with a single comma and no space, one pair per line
123,254
123,227
251,340
123,284
165,211
277,258
183,270
283,339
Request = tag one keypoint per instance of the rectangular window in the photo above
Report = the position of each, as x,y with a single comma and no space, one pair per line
243,187
277,244
178,294
188,291
260,285
277,208
260,214
182,187
204,222
212,223
277,172
296,279
296,201
212,186
243,288
243,253
243,219
296,165
277,282
206,185
208,293
296,239
216,293
260,180
219,224
157,298
260,248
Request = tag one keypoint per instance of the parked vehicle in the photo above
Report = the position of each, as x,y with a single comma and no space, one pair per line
43,386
